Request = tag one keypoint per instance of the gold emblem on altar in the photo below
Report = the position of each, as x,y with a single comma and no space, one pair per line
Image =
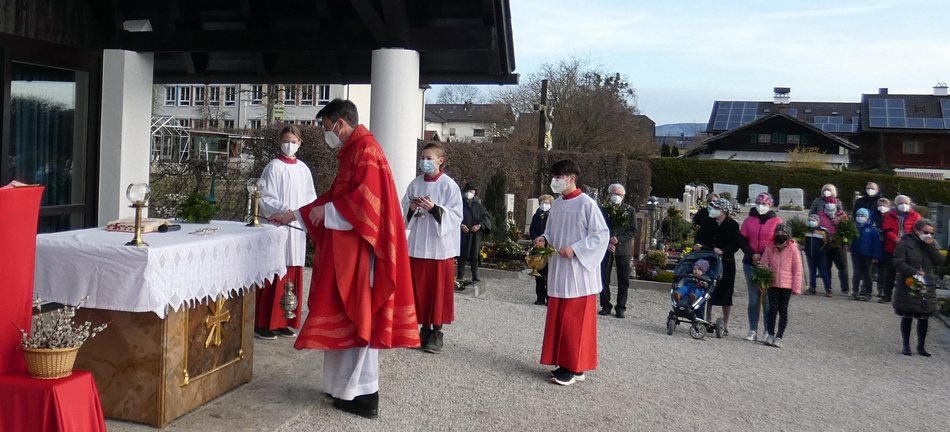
214,322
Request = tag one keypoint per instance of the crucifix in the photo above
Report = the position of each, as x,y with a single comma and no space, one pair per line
215,321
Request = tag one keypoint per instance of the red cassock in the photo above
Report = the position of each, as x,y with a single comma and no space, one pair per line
570,333
345,311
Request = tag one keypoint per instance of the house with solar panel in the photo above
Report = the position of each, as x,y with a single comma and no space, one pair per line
765,132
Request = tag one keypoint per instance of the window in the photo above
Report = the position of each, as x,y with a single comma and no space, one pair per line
913,147
323,94
229,124
290,94
778,138
214,95
257,94
254,124
306,95
213,124
171,95
478,132
184,95
794,139
184,122
451,131
764,139
199,123
199,95
229,94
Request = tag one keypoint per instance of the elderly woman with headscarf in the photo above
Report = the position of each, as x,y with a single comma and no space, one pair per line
915,257
720,233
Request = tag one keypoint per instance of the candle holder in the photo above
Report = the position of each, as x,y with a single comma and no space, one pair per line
138,194
254,187
288,301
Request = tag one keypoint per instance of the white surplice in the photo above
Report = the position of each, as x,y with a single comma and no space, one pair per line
578,223
429,238
288,186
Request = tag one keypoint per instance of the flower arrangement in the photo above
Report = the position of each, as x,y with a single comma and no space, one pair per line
196,209
845,232
917,285
762,276
616,217
56,330
798,227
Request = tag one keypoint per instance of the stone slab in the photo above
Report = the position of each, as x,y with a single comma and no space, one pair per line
794,195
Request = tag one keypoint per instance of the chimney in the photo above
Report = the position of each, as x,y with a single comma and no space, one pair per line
882,91
782,95
940,89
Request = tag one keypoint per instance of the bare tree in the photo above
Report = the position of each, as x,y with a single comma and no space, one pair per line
459,94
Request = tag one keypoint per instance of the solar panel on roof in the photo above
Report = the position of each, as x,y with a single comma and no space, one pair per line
719,125
896,112
877,103
896,122
878,112
725,105
933,123
792,112
878,122
895,103
821,120
915,122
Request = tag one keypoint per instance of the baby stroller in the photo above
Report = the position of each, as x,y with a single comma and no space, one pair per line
694,313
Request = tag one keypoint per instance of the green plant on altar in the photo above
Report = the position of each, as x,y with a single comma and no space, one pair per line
56,329
657,259
196,209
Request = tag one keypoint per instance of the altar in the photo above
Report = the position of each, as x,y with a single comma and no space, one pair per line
181,327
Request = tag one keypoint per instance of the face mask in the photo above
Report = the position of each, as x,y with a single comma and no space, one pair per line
781,239
469,195
545,207
861,220
289,149
762,208
872,192
427,166
924,237
813,224
826,193
903,208
616,199
558,185
714,212
883,209
332,139
830,207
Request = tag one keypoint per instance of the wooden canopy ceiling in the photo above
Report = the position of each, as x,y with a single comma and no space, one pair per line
314,41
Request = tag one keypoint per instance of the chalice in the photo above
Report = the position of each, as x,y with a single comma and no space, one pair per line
537,258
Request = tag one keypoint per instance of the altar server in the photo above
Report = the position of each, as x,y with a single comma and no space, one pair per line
434,222
288,186
361,290
576,228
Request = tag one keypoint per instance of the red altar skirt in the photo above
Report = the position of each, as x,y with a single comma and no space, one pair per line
433,283
570,333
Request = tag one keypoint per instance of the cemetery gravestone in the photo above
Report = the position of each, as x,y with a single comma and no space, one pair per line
795,196
731,189
754,190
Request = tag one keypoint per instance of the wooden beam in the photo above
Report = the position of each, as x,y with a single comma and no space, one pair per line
373,22
397,21
239,41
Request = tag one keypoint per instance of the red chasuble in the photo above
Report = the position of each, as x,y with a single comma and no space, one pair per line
345,311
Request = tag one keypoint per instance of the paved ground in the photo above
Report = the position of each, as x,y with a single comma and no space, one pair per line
841,369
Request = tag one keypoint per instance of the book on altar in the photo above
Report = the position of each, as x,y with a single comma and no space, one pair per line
15,184
128,225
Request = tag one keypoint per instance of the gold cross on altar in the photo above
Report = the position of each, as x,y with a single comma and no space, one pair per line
214,322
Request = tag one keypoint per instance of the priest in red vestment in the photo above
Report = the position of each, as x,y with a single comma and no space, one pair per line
361,296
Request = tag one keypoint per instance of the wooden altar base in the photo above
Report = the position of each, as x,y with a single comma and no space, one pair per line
154,370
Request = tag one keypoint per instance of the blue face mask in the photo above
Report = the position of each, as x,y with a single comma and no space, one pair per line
427,166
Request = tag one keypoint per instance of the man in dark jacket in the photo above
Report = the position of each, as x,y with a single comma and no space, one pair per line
618,251
538,223
869,202
475,221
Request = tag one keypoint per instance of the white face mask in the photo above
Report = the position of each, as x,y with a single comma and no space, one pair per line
861,220
924,237
903,208
616,199
289,149
545,206
469,195
883,209
826,193
871,192
830,207
762,208
714,212
813,224
558,185
332,139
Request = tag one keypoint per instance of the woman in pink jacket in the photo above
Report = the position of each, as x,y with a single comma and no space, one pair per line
757,230
784,259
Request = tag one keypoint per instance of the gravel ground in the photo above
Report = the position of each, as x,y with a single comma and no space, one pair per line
840,369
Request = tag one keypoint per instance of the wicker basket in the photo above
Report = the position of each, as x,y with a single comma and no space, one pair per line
50,363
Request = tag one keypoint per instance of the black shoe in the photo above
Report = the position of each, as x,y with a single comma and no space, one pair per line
563,377
286,332
539,302
906,351
922,351
366,406
619,313
434,345
559,370
885,299
264,333
424,335
604,311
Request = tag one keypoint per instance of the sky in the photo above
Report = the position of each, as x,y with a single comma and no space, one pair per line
681,56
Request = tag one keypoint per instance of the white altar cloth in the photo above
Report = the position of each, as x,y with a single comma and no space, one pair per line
176,268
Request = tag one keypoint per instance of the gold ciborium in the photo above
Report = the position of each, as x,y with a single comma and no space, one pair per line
537,258
288,301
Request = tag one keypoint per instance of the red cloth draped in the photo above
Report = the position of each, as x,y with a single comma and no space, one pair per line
570,333
19,211
269,314
434,287
345,311
35,405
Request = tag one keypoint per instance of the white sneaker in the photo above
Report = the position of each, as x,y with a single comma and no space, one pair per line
751,336
768,340
777,342
766,336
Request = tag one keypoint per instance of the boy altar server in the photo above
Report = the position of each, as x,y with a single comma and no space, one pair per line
576,228
434,222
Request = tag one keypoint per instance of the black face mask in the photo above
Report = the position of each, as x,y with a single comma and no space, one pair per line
781,239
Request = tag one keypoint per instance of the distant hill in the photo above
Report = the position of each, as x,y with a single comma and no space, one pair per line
690,129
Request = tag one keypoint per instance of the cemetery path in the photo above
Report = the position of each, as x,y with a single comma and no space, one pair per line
840,369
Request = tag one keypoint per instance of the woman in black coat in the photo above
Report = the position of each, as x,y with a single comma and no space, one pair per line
720,233
916,255
475,221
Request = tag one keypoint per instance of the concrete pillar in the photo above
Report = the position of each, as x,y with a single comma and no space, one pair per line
396,110
125,140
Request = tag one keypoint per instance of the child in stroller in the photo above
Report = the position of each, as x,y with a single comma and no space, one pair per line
693,287
694,282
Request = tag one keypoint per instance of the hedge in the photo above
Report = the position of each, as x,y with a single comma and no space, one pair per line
670,175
